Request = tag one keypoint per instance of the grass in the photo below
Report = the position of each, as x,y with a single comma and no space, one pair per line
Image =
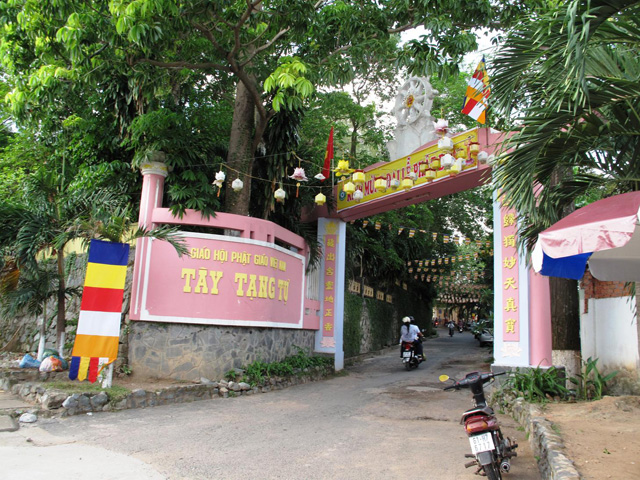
115,393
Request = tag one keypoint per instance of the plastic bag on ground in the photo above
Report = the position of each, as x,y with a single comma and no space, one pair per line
47,365
29,362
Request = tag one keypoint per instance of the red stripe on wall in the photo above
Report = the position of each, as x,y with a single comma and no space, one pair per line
95,299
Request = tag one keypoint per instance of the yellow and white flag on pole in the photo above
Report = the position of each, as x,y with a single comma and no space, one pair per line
475,100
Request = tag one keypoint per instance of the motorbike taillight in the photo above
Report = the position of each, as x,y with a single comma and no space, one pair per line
480,424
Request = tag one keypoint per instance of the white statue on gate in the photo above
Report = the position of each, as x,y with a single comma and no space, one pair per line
413,112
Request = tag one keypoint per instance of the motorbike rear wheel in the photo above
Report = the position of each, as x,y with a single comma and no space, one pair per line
407,366
492,471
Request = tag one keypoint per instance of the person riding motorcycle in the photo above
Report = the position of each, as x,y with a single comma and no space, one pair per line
412,334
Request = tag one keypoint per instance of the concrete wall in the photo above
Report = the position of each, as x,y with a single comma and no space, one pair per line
609,331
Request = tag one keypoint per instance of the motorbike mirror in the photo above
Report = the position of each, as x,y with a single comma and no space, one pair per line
443,378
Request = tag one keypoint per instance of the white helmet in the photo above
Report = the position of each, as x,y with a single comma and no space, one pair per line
406,320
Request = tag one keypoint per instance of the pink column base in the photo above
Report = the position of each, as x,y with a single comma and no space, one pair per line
539,321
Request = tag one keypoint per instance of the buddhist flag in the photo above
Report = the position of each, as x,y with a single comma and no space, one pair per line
475,100
328,156
98,333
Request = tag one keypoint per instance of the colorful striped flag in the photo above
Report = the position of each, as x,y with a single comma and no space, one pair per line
98,333
475,100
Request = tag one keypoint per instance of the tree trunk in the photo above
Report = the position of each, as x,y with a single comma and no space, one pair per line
240,158
61,321
565,314
565,308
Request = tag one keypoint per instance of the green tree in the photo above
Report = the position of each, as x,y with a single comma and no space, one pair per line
140,55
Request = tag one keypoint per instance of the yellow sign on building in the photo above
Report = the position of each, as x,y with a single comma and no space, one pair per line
433,170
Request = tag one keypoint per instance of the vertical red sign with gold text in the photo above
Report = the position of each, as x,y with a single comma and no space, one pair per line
510,267
328,313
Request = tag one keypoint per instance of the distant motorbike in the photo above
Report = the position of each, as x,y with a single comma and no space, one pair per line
451,330
410,358
491,450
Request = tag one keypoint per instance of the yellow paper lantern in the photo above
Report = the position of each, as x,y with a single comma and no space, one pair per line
435,163
381,184
349,188
321,199
430,175
474,149
424,166
461,153
358,177
456,168
407,183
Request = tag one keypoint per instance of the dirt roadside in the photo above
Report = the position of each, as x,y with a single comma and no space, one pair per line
601,437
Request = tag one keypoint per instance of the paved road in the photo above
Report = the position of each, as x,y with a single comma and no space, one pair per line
375,422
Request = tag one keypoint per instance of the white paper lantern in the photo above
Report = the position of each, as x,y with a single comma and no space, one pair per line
237,185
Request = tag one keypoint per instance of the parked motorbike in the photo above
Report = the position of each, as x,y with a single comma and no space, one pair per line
410,358
491,450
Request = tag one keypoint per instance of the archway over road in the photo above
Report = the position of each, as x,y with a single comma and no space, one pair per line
522,327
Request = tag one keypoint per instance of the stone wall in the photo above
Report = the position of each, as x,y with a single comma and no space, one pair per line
188,352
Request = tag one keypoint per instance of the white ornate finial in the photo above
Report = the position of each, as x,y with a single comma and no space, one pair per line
155,164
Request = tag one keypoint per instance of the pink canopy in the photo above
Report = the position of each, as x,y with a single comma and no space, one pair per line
606,229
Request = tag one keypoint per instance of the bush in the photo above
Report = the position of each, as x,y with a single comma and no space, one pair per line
536,384
591,384
258,371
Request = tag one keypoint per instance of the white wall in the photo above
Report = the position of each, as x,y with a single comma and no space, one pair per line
609,332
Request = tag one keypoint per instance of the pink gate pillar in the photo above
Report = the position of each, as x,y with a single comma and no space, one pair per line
153,175
332,235
540,320
522,313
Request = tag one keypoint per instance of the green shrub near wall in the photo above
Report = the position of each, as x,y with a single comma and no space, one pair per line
352,331
384,326
381,315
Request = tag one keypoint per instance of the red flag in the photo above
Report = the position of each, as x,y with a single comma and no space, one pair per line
328,156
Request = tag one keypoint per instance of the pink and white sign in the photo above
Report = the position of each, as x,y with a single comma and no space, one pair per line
510,267
223,281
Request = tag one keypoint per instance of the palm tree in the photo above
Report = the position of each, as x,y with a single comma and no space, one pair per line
571,80
57,209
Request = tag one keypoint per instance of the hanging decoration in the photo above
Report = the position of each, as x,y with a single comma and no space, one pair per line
321,199
343,169
407,183
482,157
358,195
220,177
446,144
447,161
358,178
441,126
394,183
280,195
237,185
349,188
320,177
381,184
299,176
